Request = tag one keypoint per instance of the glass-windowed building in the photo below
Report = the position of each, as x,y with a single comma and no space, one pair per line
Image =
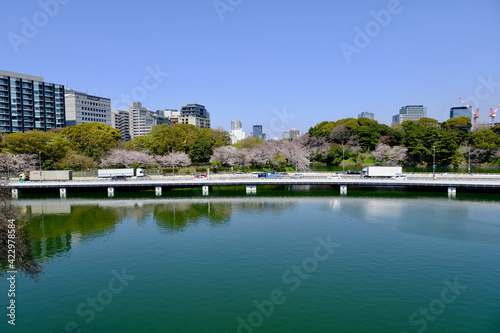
369,115
28,103
410,112
460,111
257,131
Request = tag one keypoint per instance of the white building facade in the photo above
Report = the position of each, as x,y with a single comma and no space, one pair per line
82,108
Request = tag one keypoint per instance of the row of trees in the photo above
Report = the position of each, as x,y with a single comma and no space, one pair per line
361,140
91,145
411,143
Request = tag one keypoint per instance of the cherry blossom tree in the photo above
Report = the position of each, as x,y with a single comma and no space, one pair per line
173,159
226,155
18,163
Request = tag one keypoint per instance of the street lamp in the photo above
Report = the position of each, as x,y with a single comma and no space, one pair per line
40,163
469,161
343,164
434,162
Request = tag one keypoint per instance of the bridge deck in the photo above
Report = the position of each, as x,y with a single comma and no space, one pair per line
357,182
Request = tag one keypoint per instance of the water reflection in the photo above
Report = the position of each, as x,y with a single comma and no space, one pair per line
58,225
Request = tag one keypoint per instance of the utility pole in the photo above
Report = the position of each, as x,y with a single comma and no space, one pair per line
343,164
469,160
296,160
40,163
434,162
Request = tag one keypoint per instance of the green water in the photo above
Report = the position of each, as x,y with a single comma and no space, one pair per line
281,261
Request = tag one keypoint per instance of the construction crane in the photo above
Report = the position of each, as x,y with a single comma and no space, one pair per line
493,115
475,115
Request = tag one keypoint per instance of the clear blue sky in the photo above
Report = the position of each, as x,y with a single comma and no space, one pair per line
254,60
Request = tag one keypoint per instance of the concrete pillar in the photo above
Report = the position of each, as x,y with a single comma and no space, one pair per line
158,191
343,189
111,192
62,193
251,189
205,190
15,193
452,192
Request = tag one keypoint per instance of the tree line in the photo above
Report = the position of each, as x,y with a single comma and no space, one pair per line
411,143
358,141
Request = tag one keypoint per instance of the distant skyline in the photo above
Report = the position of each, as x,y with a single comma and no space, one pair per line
278,64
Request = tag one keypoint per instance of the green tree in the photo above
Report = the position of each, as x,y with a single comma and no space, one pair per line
91,139
459,125
485,139
208,140
75,161
334,156
369,136
248,143
164,139
351,123
51,146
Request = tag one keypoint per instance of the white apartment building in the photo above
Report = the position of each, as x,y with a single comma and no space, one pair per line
83,108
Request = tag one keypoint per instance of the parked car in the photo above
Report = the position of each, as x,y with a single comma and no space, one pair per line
297,175
200,176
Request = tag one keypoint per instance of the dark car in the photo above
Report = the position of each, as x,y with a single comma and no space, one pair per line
120,177
353,172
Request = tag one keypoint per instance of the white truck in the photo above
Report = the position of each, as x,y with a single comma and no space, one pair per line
381,171
112,173
59,175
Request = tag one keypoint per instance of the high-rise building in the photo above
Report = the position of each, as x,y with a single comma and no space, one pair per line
195,114
294,134
257,131
137,121
141,120
291,134
120,121
236,124
410,112
237,133
83,108
28,103
369,115
460,111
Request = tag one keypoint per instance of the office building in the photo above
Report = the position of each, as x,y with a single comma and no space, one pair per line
83,108
237,133
460,111
194,114
236,124
368,115
28,103
257,131
410,112
290,134
120,121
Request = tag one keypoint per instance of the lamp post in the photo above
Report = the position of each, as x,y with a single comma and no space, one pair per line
343,164
40,163
296,160
434,162
468,169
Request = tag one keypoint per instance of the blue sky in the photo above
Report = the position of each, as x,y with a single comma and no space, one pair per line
281,64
